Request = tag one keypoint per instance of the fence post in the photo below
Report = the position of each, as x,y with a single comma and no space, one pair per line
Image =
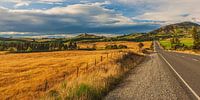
77,71
95,62
101,58
46,85
64,76
87,66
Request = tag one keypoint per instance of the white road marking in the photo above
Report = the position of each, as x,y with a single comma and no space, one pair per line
195,59
193,92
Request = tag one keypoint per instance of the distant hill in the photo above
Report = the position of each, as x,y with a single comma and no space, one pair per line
12,40
182,28
88,36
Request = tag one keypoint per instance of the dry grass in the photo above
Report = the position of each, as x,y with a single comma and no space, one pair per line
31,75
101,45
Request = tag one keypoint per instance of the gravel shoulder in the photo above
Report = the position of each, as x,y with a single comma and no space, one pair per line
151,80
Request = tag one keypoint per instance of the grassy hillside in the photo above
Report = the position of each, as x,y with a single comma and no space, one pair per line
180,28
186,41
181,31
87,38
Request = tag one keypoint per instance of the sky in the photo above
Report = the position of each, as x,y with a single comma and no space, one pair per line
65,18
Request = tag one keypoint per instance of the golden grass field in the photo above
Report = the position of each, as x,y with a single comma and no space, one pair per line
101,45
27,76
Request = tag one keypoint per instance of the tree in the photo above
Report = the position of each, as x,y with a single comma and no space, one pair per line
140,45
196,38
75,45
94,46
194,33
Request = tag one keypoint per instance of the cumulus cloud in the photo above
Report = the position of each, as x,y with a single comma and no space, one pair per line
76,18
22,4
167,11
19,3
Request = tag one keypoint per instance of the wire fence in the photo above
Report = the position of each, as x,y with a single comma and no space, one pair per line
100,63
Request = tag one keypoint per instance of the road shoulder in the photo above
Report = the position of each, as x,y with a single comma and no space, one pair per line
152,80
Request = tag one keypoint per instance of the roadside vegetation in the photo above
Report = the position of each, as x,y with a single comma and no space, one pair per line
97,81
188,42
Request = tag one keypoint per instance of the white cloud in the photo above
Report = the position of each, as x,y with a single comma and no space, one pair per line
13,33
19,3
166,10
50,0
93,12
87,15
22,4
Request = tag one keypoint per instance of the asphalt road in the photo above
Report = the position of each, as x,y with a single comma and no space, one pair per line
185,66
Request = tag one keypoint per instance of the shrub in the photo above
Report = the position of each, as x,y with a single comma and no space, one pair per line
83,92
1,48
54,95
122,47
140,45
116,47
145,51
29,49
12,49
109,47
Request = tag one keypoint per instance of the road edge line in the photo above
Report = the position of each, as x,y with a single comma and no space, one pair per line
191,90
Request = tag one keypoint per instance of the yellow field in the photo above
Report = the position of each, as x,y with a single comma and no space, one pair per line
101,45
32,75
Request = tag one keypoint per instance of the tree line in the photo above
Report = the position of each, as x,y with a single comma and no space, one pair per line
36,46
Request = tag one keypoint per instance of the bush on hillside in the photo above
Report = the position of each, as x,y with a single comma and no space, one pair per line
122,46
116,47
29,49
12,49
1,48
111,47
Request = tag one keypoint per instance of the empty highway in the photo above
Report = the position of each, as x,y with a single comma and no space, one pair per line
186,68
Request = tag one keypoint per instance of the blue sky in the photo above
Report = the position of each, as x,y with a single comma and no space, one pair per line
68,17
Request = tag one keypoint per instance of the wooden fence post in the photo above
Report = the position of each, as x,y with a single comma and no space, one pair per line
87,66
101,58
95,62
46,85
77,71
